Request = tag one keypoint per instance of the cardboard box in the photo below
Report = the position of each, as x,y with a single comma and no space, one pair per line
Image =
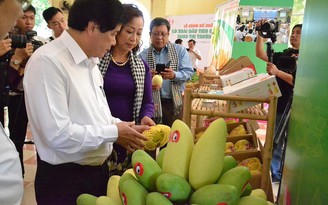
261,86
237,76
250,135
256,178
240,63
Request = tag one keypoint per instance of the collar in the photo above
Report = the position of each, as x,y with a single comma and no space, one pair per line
165,48
76,51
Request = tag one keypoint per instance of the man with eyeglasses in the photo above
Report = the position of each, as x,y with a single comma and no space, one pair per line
11,181
55,20
167,100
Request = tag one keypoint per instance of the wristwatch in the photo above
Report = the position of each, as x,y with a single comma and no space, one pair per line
16,62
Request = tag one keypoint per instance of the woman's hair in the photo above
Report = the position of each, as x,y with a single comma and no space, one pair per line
107,14
132,11
298,26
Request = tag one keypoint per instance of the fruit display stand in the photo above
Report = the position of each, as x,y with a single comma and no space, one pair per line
193,105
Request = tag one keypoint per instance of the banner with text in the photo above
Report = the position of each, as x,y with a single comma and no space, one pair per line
223,33
197,27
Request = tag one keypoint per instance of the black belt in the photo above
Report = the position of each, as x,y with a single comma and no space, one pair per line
166,100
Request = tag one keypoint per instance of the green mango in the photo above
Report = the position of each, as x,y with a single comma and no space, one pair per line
86,199
215,194
105,200
178,150
237,177
146,169
160,157
229,162
247,191
155,198
133,193
174,187
259,193
123,178
113,188
207,157
252,200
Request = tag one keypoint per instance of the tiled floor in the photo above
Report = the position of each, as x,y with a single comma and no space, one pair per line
30,166
30,169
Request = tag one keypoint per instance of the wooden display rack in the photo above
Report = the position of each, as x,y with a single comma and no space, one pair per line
193,106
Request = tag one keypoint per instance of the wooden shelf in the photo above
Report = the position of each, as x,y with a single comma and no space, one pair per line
220,107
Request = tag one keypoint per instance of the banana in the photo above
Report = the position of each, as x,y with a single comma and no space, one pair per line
207,157
178,151
113,189
146,169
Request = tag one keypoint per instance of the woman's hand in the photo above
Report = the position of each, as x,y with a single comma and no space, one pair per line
147,121
272,69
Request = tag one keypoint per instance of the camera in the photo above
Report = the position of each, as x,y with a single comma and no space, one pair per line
269,29
19,41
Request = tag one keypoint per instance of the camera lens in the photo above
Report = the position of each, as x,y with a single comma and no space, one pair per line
18,41
268,27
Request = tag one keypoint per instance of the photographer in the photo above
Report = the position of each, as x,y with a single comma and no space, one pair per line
285,71
16,107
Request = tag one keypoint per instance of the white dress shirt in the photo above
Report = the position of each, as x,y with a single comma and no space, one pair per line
11,179
69,116
193,58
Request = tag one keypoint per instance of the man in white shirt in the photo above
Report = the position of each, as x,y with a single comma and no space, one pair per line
194,54
70,120
55,21
11,180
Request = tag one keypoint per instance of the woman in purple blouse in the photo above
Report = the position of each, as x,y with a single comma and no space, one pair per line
127,83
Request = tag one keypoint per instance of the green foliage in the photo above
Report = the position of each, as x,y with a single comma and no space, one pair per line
194,78
40,23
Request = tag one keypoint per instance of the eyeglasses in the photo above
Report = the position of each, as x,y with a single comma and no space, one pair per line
159,34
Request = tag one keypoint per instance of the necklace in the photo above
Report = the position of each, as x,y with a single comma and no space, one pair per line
119,64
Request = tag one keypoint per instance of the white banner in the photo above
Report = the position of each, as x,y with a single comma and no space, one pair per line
197,27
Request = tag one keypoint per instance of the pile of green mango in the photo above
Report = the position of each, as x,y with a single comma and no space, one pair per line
183,173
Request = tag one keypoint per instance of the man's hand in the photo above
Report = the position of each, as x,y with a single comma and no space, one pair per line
5,46
168,74
153,73
23,54
130,137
